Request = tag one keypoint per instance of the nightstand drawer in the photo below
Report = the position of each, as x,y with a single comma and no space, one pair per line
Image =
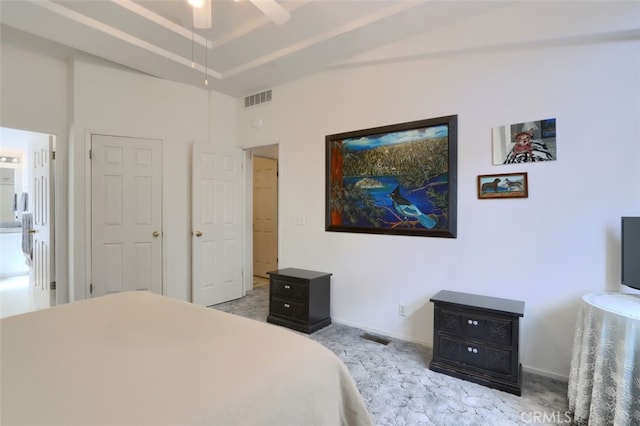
481,356
492,330
289,308
289,289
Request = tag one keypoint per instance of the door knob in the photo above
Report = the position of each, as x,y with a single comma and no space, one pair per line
155,234
198,234
31,231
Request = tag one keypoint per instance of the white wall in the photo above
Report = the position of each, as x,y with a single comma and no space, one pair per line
78,95
115,101
547,250
35,97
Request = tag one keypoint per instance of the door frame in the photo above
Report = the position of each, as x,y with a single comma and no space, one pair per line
87,207
248,263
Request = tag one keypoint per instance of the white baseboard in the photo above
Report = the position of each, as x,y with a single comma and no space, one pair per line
545,373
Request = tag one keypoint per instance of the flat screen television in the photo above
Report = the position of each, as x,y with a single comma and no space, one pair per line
630,237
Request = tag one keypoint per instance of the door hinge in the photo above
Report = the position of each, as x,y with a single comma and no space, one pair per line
53,155
90,155
52,286
90,288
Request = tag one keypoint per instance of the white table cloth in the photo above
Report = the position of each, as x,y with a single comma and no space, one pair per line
604,381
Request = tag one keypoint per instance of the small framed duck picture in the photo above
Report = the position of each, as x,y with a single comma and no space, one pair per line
504,185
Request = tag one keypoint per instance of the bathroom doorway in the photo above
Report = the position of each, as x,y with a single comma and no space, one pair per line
27,271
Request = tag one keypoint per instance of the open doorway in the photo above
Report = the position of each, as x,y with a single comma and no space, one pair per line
23,187
265,213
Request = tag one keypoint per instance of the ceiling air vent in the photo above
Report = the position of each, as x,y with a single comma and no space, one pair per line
257,99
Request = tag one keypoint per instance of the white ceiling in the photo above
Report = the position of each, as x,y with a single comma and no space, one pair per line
247,52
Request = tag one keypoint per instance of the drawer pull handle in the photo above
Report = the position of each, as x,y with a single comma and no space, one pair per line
470,322
286,305
470,349
287,286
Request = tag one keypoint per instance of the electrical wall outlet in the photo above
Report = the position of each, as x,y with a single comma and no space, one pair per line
402,310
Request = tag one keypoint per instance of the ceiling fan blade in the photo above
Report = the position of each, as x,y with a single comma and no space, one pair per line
273,10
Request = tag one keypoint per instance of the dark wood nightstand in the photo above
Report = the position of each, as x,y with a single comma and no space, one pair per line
476,338
300,299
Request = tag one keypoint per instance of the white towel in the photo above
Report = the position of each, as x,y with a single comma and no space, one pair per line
24,202
27,237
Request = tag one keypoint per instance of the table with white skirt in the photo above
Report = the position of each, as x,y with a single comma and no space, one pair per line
604,380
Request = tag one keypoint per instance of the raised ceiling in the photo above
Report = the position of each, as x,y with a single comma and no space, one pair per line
248,53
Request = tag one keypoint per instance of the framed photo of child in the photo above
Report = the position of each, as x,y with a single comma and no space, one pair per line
527,142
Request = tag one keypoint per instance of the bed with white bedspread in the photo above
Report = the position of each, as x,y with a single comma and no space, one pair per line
138,358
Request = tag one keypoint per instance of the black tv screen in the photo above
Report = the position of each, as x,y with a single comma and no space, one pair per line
631,252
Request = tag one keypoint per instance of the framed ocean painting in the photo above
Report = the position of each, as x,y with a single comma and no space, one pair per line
398,179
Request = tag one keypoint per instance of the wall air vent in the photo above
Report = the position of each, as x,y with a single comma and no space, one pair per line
257,99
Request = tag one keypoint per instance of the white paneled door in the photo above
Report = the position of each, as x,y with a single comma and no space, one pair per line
217,221
126,214
42,207
265,216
